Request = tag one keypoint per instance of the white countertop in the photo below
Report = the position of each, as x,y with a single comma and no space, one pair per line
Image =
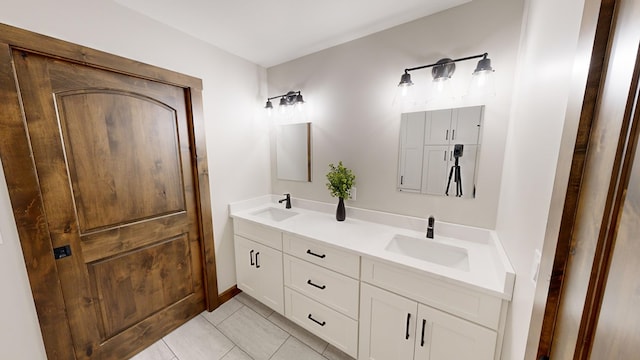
489,268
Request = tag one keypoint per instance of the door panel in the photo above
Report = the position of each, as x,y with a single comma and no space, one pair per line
121,170
133,286
112,154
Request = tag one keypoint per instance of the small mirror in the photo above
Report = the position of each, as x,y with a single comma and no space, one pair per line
293,152
439,151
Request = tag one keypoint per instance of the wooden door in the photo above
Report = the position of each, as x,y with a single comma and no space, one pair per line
387,325
617,328
108,195
592,307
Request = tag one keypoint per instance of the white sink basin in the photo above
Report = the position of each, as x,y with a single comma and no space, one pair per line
275,214
431,251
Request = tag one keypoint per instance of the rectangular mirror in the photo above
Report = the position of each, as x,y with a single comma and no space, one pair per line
293,152
438,153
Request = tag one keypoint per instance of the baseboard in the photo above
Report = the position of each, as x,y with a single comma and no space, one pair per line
228,294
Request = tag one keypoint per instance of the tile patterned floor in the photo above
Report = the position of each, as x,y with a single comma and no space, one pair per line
241,329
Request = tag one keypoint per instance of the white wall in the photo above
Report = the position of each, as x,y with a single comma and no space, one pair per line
549,65
237,139
350,90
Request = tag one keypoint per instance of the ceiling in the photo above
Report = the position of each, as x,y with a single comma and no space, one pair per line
272,32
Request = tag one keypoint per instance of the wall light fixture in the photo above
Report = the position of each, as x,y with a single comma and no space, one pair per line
291,98
443,69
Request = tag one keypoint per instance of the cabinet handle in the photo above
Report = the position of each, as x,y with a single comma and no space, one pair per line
445,156
446,137
408,320
453,134
316,321
314,254
251,256
257,265
424,325
401,179
318,286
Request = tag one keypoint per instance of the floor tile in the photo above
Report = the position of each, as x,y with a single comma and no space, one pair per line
294,349
236,354
254,304
158,351
198,340
333,353
222,312
255,335
301,334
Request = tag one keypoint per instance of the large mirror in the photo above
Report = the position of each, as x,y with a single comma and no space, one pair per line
439,151
293,152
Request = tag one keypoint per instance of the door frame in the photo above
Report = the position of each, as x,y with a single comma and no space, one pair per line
22,180
600,18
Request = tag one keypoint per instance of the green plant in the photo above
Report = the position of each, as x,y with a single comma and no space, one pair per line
340,180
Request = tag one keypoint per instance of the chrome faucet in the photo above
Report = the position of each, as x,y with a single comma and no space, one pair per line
430,226
287,199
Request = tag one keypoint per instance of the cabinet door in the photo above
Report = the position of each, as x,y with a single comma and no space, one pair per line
259,272
441,336
465,125
437,130
387,325
411,142
435,169
246,272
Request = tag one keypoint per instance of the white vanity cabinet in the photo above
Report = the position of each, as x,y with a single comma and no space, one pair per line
259,263
345,284
322,291
394,327
407,315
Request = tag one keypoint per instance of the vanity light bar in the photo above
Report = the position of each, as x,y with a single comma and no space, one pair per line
290,98
443,69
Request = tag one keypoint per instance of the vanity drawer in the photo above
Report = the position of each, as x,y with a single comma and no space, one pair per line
335,290
337,329
471,305
323,255
257,232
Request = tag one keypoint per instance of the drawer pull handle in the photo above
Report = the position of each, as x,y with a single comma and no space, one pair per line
316,321
424,325
408,321
314,254
257,265
316,285
251,256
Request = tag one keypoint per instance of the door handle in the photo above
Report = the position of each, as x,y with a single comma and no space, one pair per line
314,254
318,286
257,264
408,321
251,256
316,321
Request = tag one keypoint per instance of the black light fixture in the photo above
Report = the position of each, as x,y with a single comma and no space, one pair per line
288,99
443,69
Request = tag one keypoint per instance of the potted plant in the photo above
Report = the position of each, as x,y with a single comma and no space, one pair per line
340,180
